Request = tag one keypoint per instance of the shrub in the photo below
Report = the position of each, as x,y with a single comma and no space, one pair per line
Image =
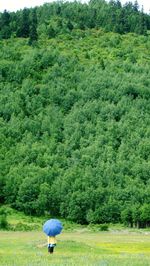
104,227
98,227
24,227
3,222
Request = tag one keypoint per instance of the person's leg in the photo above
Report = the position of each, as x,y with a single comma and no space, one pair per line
51,250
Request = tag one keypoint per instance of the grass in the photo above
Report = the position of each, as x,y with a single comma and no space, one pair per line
80,247
77,245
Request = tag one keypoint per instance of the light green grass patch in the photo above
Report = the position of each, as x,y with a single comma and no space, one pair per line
75,248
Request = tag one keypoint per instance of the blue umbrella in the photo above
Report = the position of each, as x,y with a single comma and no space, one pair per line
52,227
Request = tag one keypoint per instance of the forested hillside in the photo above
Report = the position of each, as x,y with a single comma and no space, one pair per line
75,118
62,17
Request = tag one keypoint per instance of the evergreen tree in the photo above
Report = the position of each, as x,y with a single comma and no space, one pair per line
5,31
141,27
136,6
33,36
24,24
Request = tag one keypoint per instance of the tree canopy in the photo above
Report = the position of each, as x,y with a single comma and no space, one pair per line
57,17
75,117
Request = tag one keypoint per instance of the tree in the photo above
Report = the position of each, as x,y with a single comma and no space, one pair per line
24,24
142,27
28,195
145,215
5,31
44,199
136,6
33,36
126,216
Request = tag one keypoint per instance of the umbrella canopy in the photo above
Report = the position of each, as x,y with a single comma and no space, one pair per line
52,227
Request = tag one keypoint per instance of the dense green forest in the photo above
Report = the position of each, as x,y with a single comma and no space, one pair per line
75,112
62,17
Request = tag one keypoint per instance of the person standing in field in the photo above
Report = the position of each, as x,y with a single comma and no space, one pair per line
51,244
52,228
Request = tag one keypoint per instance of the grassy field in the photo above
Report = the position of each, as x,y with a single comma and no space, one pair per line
80,247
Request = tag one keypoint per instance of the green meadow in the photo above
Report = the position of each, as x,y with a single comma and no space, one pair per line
79,247
24,244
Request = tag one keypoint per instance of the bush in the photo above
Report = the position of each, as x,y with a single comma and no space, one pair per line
4,211
104,227
98,227
24,227
3,222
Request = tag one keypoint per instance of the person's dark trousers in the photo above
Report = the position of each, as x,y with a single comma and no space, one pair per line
50,249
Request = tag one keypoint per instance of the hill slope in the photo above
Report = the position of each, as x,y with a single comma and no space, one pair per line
75,126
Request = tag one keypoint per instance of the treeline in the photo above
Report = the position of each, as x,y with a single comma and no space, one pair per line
62,17
75,127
